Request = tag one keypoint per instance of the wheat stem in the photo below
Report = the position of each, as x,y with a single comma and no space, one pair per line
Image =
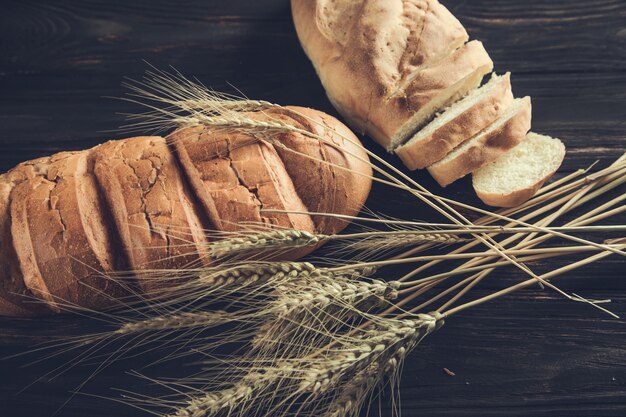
532,255
603,188
263,241
528,283
175,322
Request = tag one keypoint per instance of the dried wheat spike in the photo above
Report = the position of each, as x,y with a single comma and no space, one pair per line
258,242
385,344
175,322
230,398
257,272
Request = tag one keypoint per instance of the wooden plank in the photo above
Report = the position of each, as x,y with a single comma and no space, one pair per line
531,353
100,37
41,114
516,356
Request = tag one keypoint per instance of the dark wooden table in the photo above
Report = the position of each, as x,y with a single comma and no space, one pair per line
529,354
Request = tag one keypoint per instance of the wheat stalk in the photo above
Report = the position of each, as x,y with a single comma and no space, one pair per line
255,273
228,399
350,397
308,313
175,322
317,345
264,241
383,345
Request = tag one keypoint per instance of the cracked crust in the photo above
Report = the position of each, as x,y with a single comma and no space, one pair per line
382,61
152,209
235,175
343,190
15,297
65,263
137,204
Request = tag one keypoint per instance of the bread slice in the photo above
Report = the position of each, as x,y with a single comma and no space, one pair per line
430,90
518,174
457,123
487,146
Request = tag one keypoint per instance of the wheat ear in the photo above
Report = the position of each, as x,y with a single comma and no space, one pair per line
175,322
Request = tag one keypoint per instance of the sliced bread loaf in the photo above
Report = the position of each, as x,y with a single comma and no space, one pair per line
389,66
518,174
487,146
457,123
430,90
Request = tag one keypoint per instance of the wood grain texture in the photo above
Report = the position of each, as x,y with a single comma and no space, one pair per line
529,354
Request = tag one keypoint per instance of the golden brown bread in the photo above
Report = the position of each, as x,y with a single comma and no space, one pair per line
388,66
403,72
457,124
142,203
502,135
152,210
312,178
60,235
15,297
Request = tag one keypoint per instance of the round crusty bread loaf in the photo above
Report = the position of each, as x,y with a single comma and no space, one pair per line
518,174
388,66
143,203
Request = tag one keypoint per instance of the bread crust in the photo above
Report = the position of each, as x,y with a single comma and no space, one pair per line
240,176
486,149
16,299
152,209
434,147
398,116
262,175
336,169
386,59
136,204
513,199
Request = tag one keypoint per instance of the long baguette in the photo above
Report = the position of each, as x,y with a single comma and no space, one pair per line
142,203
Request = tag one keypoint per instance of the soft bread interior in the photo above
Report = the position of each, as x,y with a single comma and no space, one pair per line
511,111
444,99
457,108
529,163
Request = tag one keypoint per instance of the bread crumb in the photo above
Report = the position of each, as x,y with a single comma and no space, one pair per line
449,372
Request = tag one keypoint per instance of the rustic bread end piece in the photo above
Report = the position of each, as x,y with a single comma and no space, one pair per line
504,134
16,299
457,123
518,174
336,168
